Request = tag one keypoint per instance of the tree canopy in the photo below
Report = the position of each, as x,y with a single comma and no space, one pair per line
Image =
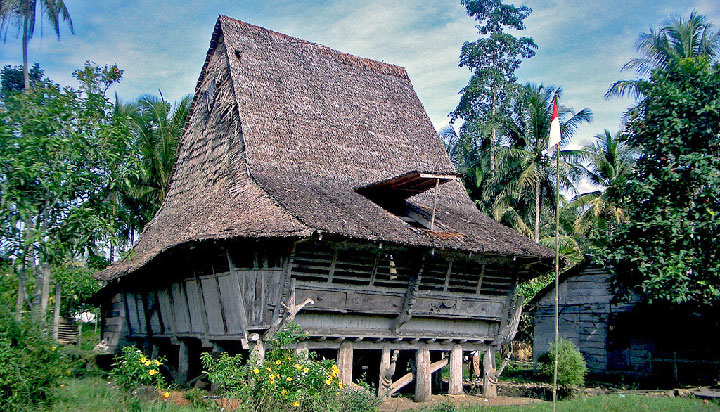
667,248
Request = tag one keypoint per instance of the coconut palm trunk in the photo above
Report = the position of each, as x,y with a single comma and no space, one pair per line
537,209
25,40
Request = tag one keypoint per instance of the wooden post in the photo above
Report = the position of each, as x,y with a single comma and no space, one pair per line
456,378
302,350
345,362
489,378
258,352
423,382
474,365
183,363
56,315
384,368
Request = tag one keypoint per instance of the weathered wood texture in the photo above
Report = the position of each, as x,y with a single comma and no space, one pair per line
423,386
114,328
456,371
345,363
585,312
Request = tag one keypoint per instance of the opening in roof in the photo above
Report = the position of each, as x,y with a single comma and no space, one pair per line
392,195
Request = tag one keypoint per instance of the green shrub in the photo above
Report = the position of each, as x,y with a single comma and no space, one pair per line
133,369
571,364
30,365
286,381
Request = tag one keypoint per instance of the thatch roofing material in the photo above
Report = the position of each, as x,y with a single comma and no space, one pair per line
281,135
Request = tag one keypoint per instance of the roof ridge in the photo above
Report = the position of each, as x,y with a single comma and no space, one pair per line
370,64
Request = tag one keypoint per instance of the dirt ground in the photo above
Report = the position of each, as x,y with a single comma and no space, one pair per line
402,403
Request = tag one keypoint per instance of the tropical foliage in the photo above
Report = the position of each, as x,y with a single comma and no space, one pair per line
678,39
667,247
23,14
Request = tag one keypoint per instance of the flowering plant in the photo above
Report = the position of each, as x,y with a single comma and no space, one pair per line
133,368
284,380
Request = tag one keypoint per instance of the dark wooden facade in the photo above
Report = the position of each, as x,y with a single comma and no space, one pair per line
661,344
358,295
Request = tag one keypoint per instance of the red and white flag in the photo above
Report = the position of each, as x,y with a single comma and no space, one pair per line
554,128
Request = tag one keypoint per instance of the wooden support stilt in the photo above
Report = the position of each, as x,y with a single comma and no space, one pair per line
302,350
474,365
183,363
345,362
258,352
423,383
489,378
456,381
384,380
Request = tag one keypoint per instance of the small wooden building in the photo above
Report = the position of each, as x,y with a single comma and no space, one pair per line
629,338
311,185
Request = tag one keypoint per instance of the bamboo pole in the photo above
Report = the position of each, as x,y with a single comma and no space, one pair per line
557,275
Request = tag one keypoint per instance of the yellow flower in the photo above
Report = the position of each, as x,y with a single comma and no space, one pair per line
256,371
306,370
152,372
143,359
268,369
53,348
277,362
298,367
296,403
328,382
166,395
340,385
288,379
157,362
62,386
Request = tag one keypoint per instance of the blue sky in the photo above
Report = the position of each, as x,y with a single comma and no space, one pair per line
162,44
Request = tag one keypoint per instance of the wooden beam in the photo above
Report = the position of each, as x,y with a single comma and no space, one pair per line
183,363
345,362
423,384
489,389
239,301
436,366
409,299
447,275
387,370
400,383
480,280
456,370
432,218
331,273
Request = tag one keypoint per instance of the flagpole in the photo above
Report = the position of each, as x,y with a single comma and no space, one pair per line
557,270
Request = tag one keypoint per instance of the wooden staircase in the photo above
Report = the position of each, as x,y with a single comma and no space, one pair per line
67,332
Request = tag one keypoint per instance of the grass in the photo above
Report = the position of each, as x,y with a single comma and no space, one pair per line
95,395
609,403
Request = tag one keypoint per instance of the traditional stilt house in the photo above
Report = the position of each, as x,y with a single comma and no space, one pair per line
311,185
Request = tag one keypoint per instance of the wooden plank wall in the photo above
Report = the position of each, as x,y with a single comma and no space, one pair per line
206,306
114,329
585,313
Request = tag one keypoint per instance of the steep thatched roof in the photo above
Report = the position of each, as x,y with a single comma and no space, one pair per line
283,133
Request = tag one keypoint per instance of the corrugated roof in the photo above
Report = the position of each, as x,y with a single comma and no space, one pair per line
282,134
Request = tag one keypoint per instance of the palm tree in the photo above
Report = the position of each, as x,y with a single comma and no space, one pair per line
609,161
676,40
157,127
525,174
22,13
